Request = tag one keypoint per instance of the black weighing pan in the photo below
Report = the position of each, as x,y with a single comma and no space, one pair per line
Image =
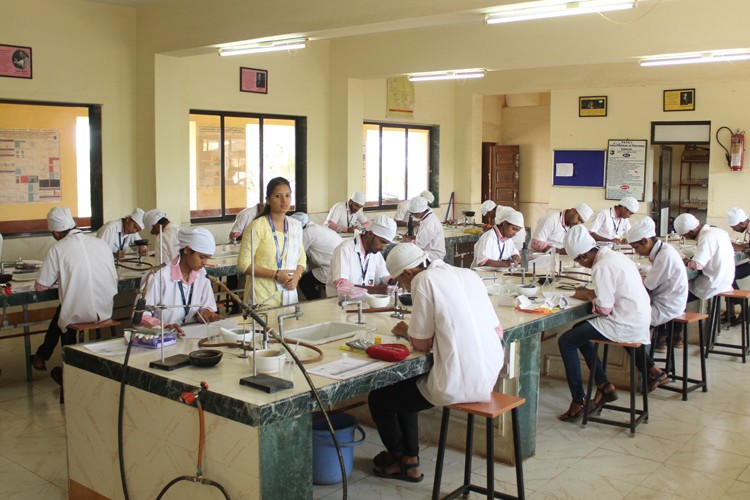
205,357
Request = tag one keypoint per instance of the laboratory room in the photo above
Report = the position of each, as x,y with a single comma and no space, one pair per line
408,250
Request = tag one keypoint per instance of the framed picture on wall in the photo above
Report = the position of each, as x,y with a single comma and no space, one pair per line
15,61
254,80
679,100
592,105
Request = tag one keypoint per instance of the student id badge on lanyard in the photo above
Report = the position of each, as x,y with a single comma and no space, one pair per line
185,302
279,252
363,267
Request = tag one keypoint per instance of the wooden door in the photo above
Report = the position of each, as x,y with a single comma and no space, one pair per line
500,167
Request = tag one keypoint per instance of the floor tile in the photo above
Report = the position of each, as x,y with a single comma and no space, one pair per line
678,482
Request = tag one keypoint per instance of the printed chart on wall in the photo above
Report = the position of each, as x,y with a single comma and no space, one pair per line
30,166
626,169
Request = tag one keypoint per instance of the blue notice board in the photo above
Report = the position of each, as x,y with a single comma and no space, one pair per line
587,167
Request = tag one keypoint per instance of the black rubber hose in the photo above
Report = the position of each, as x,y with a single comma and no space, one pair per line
120,411
193,480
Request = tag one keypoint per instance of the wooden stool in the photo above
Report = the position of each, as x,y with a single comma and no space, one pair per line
498,405
82,328
636,416
686,319
742,297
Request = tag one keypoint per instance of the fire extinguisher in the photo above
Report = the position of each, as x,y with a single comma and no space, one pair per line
736,153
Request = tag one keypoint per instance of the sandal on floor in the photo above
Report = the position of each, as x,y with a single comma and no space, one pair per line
604,394
402,474
37,362
654,382
574,412
382,460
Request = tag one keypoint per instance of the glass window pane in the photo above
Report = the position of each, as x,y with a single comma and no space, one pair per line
241,165
418,161
279,152
205,165
371,142
394,165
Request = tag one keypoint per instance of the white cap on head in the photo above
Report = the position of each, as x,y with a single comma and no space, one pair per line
383,226
578,241
735,216
404,256
358,197
59,219
584,211
152,217
500,212
417,205
488,206
427,195
511,217
644,228
302,217
137,216
684,223
630,203
199,239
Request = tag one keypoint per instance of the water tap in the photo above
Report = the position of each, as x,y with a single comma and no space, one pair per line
297,314
345,303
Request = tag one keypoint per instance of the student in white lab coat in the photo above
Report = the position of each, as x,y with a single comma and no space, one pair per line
666,281
452,316
739,222
84,271
242,220
488,212
156,220
402,210
345,217
183,282
495,247
320,243
611,224
121,233
551,228
584,211
430,236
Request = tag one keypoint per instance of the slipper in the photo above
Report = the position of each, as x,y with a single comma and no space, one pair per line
37,362
654,382
382,460
569,416
402,473
606,394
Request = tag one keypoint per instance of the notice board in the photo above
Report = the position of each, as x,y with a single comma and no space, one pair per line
626,169
579,168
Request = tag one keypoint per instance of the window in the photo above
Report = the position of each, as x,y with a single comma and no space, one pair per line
234,155
400,161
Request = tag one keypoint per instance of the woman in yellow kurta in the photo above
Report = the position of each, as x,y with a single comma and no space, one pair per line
276,254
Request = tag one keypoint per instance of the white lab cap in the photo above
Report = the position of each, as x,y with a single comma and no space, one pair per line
488,206
358,197
137,216
511,217
417,205
59,219
427,195
644,228
578,241
404,256
584,211
152,217
302,217
383,226
630,203
199,239
735,216
684,223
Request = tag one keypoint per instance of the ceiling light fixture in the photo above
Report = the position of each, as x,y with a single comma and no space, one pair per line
447,75
254,48
696,57
545,9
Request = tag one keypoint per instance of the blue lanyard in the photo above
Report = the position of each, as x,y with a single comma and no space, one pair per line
502,248
562,221
661,246
119,237
189,300
616,226
361,267
279,254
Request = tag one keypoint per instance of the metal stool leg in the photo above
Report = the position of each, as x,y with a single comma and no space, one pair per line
517,453
685,362
644,388
633,354
441,454
490,460
703,356
469,448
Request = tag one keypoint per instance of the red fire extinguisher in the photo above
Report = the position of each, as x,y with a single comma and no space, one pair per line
736,153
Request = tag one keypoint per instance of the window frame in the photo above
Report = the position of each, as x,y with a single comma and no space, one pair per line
300,160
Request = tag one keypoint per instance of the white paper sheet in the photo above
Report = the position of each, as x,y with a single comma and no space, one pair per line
564,169
347,367
200,330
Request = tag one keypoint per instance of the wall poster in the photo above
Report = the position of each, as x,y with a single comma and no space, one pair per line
626,169
399,97
30,168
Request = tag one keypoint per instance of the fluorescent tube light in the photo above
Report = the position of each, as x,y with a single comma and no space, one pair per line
696,58
447,75
554,8
297,43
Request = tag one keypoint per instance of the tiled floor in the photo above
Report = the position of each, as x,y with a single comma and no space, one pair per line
694,449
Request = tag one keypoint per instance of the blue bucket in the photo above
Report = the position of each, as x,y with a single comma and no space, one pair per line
326,467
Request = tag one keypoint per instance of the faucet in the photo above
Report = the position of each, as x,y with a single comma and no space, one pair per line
297,314
345,303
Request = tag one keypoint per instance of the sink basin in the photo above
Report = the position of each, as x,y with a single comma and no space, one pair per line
323,333
224,251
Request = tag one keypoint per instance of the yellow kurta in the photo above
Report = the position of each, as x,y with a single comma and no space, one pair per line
265,256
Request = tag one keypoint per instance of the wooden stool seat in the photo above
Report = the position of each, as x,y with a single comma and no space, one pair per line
499,404
743,297
736,294
686,319
690,317
81,328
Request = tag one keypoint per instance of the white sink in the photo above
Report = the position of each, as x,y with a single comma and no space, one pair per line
224,251
323,333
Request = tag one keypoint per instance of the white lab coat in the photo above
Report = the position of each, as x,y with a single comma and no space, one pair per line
84,270
451,306
489,247
666,283
320,242
114,236
170,244
550,230
339,215
430,236
402,211
618,285
607,225
715,253
348,263
243,219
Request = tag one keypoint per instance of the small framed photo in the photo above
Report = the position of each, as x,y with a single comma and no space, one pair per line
679,100
15,61
592,105
254,80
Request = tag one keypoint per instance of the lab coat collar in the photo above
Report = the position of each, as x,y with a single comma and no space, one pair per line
177,273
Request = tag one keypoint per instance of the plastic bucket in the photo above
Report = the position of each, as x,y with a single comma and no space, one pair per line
326,467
